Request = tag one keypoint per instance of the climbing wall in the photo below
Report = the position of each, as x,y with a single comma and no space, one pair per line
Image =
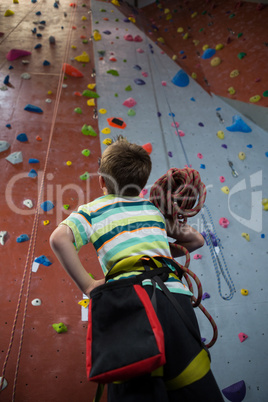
182,124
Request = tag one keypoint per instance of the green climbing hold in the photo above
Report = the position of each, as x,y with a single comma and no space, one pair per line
131,112
128,88
88,130
101,52
125,60
86,152
117,19
265,94
66,206
96,22
240,34
78,110
201,29
232,16
204,12
90,94
85,40
117,37
84,176
113,72
116,95
102,10
241,55
60,327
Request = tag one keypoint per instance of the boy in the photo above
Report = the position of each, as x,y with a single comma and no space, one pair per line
120,224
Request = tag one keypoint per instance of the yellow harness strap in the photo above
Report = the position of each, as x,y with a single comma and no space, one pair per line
126,264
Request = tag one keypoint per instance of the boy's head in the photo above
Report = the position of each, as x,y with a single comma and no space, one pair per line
125,167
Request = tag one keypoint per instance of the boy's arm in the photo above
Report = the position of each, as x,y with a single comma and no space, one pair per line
184,235
61,242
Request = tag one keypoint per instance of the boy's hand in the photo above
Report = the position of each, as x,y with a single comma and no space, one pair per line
94,285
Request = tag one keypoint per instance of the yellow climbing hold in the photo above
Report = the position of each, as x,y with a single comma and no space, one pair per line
174,57
244,292
242,156
196,42
264,201
102,111
16,1
194,76
73,47
225,189
107,141
194,14
215,61
180,29
220,134
91,102
246,236
166,11
161,40
84,18
231,90
185,36
83,58
255,98
234,73
8,13
91,86
45,223
68,163
115,3
219,46
96,36
132,19
49,92
84,303
106,130
168,16
205,47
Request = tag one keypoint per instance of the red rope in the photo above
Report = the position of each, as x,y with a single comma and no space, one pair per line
180,194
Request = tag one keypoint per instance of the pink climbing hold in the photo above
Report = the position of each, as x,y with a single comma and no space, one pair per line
222,179
128,38
14,54
200,156
224,222
198,257
139,50
130,102
181,133
144,74
176,124
242,337
164,83
138,38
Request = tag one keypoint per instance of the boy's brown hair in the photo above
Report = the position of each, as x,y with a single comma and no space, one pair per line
125,167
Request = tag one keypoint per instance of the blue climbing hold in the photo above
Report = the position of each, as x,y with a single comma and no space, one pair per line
38,13
56,5
34,30
181,79
202,166
159,114
6,80
239,125
208,53
38,46
32,108
33,173
8,125
42,22
192,99
263,236
22,137
171,114
137,67
235,392
249,146
22,238
224,146
47,206
170,154
107,32
10,67
266,154
33,160
182,52
205,296
139,81
218,109
39,35
43,260
46,63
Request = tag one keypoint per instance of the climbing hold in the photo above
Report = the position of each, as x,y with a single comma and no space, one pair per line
128,88
36,302
137,38
224,222
84,303
107,141
225,190
241,55
193,15
78,110
46,222
164,83
60,328
91,102
194,76
69,163
85,176
234,73
139,81
88,130
197,257
139,50
33,160
33,173
196,42
128,37
181,79
148,147
72,71
4,385
28,203
131,112
14,158
235,392
112,58
113,72
239,125
244,292
47,206
205,47
219,46
242,337
106,130
22,238
206,296
222,179
185,36
180,30
43,260
38,138
25,76
174,57
161,40
246,236
52,40
96,36
116,122
86,152
241,156
265,94
66,206
3,234
170,154
8,13
32,108
83,58
130,102
231,90
202,166
215,62
4,145
90,94
255,99
14,54
102,111
208,53
6,80
137,67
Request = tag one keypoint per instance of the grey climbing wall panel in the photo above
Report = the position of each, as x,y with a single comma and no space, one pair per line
246,261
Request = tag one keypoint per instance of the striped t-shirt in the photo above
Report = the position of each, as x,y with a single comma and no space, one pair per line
119,227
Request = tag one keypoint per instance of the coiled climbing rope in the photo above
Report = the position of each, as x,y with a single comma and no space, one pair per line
180,194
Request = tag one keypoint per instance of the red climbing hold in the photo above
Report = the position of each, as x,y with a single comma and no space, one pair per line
72,71
242,337
14,54
148,147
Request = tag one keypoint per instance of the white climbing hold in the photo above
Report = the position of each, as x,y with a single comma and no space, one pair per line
4,145
48,100
4,385
3,233
28,203
15,158
25,76
4,88
36,302
25,61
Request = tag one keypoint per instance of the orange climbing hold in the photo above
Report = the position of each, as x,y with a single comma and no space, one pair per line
72,71
148,147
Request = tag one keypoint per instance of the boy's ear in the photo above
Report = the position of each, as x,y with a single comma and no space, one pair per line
102,185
